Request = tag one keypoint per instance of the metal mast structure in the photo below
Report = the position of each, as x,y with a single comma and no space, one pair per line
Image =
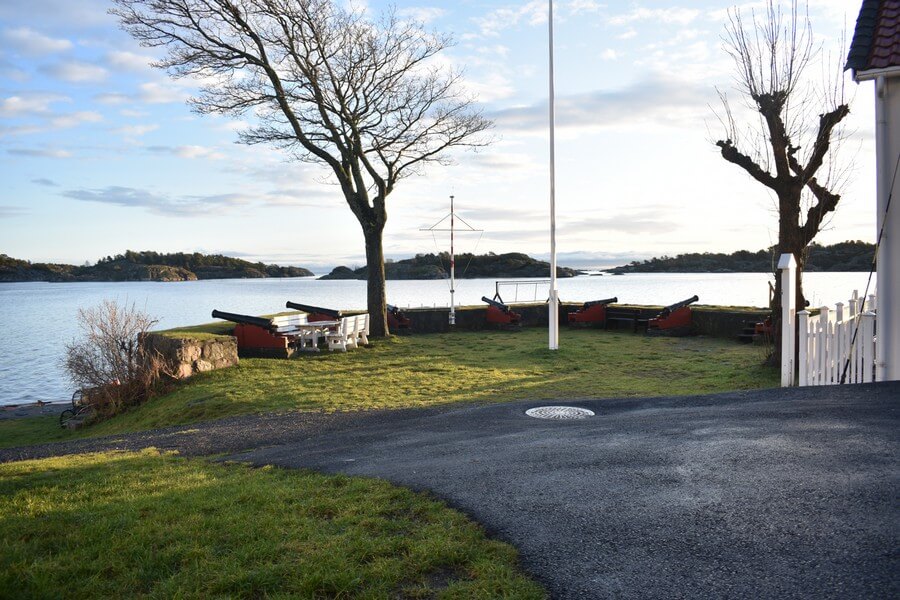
452,216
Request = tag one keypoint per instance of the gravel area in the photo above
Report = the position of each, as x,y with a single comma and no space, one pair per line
229,435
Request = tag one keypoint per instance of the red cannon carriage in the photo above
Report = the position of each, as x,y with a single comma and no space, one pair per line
397,319
500,314
675,320
591,313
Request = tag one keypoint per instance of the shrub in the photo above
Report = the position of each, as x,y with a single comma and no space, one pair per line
109,363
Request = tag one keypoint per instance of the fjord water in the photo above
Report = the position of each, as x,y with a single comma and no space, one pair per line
38,319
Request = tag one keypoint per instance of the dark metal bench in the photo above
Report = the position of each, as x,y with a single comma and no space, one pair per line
634,316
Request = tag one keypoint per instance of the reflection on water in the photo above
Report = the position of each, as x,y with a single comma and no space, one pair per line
37,319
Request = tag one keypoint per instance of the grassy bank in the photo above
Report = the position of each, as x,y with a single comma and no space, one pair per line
151,525
444,368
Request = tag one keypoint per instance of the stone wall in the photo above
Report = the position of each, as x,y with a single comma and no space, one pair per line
714,322
187,356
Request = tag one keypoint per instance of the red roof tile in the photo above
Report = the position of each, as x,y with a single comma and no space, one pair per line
885,50
876,40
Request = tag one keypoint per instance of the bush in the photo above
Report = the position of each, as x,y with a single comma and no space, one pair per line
109,364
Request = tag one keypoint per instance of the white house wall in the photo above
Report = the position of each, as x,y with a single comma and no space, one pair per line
887,116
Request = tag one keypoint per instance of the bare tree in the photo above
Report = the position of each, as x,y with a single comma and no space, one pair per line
362,97
790,146
109,362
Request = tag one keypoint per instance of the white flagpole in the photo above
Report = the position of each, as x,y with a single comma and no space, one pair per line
553,315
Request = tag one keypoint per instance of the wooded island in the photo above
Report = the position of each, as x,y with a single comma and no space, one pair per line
844,256
145,266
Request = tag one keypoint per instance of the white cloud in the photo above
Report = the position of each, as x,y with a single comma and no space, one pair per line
158,93
135,114
40,152
658,101
424,14
490,87
32,43
29,104
67,120
609,54
121,60
74,71
681,16
627,35
532,13
188,206
185,206
112,98
7,212
136,130
190,152
578,7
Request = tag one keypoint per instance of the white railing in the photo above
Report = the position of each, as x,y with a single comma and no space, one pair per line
837,346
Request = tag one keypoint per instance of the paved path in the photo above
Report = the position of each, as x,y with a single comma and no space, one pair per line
764,494
768,494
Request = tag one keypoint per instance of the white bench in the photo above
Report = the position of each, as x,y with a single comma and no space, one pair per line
353,331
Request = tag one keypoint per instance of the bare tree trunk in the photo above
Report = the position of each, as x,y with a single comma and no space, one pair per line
376,297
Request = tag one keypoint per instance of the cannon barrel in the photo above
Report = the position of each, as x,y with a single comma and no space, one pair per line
243,319
673,307
604,302
496,304
335,314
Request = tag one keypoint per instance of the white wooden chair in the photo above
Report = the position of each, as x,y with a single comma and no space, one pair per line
337,339
363,331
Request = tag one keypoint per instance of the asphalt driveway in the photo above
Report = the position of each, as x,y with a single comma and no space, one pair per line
763,494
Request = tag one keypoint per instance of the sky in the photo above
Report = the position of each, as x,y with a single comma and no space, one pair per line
99,151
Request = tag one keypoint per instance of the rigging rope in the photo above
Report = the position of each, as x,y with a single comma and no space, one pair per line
887,207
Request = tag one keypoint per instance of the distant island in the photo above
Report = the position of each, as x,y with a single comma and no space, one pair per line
145,266
844,256
468,266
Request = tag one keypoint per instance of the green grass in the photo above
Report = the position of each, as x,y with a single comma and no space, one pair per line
207,331
120,525
427,370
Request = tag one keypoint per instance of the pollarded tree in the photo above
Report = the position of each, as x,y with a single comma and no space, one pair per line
362,97
789,146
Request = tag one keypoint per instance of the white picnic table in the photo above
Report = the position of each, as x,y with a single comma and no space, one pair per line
311,332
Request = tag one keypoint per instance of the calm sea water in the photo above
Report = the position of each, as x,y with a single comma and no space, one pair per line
37,319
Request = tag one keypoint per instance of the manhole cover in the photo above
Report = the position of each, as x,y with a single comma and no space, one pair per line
559,412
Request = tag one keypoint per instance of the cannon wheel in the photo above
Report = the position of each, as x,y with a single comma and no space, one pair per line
66,417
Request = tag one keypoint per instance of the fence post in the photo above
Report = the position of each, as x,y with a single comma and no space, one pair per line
803,341
867,333
787,264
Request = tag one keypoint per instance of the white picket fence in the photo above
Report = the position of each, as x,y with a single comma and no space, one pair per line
828,351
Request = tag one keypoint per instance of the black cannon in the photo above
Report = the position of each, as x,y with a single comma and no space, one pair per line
500,314
591,313
316,313
675,319
604,302
673,307
243,319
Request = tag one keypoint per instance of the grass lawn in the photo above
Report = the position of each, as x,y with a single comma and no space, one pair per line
122,525
435,369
